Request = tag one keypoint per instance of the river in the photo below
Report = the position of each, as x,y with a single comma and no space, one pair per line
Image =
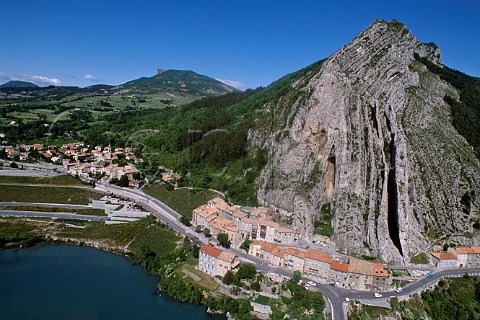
69,282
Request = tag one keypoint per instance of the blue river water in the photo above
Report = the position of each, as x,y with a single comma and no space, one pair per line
68,282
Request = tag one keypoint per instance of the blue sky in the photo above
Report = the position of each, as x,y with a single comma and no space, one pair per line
251,42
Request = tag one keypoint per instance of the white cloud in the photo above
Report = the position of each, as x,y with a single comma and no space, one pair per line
36,79
89,77
3,77
236,84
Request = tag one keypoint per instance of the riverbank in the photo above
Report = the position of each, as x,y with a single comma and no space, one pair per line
152,245
78,282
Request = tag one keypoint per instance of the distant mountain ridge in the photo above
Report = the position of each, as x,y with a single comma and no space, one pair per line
181,81
19,84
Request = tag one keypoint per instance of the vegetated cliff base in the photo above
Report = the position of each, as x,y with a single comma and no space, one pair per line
367,136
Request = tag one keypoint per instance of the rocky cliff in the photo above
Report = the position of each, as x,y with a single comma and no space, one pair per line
363,142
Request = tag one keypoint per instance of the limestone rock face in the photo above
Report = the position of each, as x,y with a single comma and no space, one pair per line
370,134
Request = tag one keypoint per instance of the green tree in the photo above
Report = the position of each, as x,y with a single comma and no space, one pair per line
407,314
234,290
198,229
206,232
195,251
255,286
246,245
123,181
246,271
297,275
206,179
228,277
185,221
223,239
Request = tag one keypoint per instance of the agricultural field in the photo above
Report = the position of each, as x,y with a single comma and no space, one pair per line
59,180
41,194
92,212
181,200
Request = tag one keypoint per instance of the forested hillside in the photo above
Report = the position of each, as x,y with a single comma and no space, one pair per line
205,141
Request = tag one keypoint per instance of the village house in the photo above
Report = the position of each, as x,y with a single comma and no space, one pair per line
268,252
220,217
285,236
294,260
467,257
224,210
317,265
258,229
166,176
366,275
260,213
339,273
216,262
203,215
320,267
444,259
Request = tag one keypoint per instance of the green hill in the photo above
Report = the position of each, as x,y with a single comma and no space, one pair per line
179,82
18,84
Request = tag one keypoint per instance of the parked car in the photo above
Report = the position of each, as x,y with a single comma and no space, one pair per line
312,283
399,289
307,286
377,295
271,266
301,283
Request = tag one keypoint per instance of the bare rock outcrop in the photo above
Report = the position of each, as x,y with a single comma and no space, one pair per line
369,133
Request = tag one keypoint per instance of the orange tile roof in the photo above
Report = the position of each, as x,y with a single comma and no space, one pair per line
339,266
295,253
261,222
318,255
222,221
211,251
378,270
239,214
231,228
444,255
258,211
467,250
268,247
205,211
226,256
217,253
476,249
366,267
278,252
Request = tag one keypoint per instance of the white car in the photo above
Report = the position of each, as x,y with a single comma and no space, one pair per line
399,289
271,266
312,283
377,295
307,286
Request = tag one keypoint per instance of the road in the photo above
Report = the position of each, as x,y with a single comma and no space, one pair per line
337,296
58,215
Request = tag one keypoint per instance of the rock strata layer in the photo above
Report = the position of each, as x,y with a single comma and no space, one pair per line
370,134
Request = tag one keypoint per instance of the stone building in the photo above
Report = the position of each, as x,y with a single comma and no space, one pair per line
216,262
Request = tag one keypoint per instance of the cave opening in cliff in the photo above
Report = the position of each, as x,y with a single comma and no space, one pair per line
373,118
330,176
392,216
